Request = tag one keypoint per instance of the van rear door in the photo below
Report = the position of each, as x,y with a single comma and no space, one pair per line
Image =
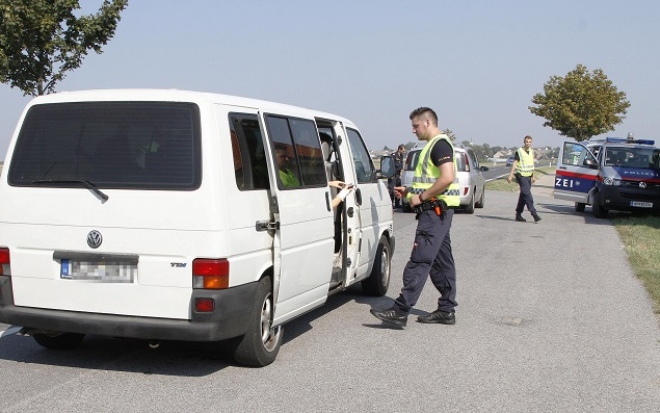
576,173
303,221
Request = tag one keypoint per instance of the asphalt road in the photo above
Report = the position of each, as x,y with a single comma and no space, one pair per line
550,319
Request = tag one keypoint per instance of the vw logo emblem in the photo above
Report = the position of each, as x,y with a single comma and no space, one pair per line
642,185
94,239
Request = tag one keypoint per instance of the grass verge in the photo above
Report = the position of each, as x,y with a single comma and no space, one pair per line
641,238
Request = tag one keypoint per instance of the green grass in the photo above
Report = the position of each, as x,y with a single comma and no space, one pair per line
641,238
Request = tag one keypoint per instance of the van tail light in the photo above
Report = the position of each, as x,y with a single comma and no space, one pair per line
467,164
4,261
210,274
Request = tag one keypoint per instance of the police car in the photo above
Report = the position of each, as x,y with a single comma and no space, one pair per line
621,174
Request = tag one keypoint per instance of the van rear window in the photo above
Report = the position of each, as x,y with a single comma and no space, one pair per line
133,145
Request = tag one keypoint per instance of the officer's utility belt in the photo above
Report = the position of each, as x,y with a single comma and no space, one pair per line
439,205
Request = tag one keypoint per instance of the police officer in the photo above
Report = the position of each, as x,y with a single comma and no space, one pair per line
432,195
523,169
395,181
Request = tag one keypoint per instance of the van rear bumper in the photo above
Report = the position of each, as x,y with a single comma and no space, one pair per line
230,318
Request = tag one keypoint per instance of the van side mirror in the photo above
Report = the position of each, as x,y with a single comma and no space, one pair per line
386,167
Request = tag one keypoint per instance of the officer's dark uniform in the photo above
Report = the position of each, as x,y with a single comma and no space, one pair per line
431,254
396,179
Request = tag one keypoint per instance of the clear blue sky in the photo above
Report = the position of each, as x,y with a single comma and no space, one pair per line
477,63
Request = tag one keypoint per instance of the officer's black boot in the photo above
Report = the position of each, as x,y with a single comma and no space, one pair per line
536,216
519,218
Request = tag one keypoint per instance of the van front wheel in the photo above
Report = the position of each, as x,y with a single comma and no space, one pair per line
58,341
379,279
261,343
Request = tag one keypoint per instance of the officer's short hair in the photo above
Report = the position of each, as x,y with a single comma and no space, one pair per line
424,111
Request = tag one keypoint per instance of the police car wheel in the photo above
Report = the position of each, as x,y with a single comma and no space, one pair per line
58,341
579,207
261,342
379,279
598,210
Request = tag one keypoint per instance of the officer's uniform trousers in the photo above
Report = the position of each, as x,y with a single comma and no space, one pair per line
431,256
525,197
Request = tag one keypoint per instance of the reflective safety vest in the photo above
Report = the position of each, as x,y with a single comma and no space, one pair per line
426,173
288,179
526,162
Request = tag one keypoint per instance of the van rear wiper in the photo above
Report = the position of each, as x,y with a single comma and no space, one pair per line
84,182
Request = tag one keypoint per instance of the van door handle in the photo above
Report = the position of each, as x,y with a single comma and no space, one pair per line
562,167
350,211
267,226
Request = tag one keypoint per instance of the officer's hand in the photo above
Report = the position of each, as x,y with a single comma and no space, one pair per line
400,191
509,178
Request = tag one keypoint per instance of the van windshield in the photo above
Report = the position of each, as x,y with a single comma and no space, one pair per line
632,157
141,145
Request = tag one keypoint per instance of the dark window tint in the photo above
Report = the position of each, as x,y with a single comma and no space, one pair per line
297,152
411,160
145,145
364,168
249,156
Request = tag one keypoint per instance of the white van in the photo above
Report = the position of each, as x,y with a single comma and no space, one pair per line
161,215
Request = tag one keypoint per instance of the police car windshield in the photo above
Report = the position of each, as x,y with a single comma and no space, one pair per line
627,157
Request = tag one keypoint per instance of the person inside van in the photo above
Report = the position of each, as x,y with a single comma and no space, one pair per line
288,178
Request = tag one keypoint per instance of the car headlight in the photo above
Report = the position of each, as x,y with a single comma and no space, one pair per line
612,181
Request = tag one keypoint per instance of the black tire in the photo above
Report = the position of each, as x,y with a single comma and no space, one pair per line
261,343
579,207
58,341
379,279
598,210
481,202
469,208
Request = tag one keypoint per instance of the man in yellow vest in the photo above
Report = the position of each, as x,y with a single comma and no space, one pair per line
523,168
432,195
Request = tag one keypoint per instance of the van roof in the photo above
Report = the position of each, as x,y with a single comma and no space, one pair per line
177,95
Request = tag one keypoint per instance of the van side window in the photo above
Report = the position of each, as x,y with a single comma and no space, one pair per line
297,152
248,150
364,168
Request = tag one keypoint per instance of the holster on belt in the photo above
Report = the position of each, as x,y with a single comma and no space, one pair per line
439,205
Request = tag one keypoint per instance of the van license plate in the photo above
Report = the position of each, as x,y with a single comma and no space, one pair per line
107,272
641,204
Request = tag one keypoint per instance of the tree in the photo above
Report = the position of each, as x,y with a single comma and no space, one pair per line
581,105
449,134
41,40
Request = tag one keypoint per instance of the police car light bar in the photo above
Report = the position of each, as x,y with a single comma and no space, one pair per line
624,140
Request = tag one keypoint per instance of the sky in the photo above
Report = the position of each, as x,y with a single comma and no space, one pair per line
476,63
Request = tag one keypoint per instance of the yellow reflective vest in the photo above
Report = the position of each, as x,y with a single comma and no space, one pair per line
525,165
426,173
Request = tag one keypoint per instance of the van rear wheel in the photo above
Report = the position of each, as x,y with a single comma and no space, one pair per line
579,207
261,343
379,279
469,208
481,202
58,341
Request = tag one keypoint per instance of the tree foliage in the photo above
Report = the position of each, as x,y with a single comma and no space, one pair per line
581,105
41,40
